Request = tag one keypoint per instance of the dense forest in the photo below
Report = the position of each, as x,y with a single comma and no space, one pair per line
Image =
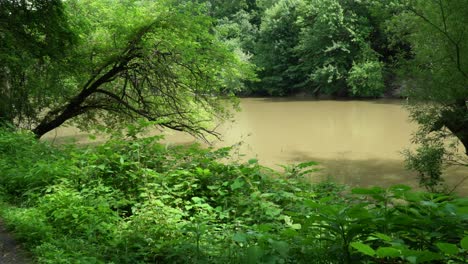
122,66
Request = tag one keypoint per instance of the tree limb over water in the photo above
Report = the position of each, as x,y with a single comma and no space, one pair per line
158,61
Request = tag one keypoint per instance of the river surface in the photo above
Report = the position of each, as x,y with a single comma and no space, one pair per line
356,142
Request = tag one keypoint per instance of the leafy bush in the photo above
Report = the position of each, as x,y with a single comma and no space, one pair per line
141,202
365,79
428,161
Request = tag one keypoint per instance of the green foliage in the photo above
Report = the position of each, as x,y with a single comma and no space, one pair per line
436,81
275,55
27,44
366,80
142,202
157,60
436,31
336,47
428,162
324,47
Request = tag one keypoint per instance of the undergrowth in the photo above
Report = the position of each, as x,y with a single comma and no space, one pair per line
138,201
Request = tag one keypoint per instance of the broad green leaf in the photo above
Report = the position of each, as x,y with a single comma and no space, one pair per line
412,259
254,253
368,191
447,248
464,243
296,226
289,223
240,238
428,256
197,200
253,161
237,184
384,252
312,204
281,246
363,248
306,164
383,237
264,227
358,211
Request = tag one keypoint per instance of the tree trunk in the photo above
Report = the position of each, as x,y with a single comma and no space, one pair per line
5,101
49,124
456,120
57,117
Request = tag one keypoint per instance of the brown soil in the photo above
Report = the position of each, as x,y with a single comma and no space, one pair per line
10,250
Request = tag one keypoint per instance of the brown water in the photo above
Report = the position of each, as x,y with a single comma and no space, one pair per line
356,142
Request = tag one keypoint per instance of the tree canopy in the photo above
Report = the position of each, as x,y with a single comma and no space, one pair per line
156,60
439,71
28,42
436,80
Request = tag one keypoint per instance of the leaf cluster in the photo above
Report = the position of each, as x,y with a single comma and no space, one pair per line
140,201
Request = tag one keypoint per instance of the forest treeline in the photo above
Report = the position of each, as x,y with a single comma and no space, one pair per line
317,47
363,49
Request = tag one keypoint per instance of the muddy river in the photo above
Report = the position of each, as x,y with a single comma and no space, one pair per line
356,142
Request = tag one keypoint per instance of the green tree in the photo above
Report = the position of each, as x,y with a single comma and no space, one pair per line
336,48
437,79
238,33
222,8
275,54
28,42
153,59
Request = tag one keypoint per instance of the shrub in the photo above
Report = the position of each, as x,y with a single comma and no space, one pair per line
140,202
365,79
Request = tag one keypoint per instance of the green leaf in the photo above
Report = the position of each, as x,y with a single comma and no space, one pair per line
296,226
265,227
202,172
383,237
240,238
384,252
412,259
281,246
447,248
237,184
464,243
368,191
253,254
253,161
428,256
197,200
306,164
363,248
